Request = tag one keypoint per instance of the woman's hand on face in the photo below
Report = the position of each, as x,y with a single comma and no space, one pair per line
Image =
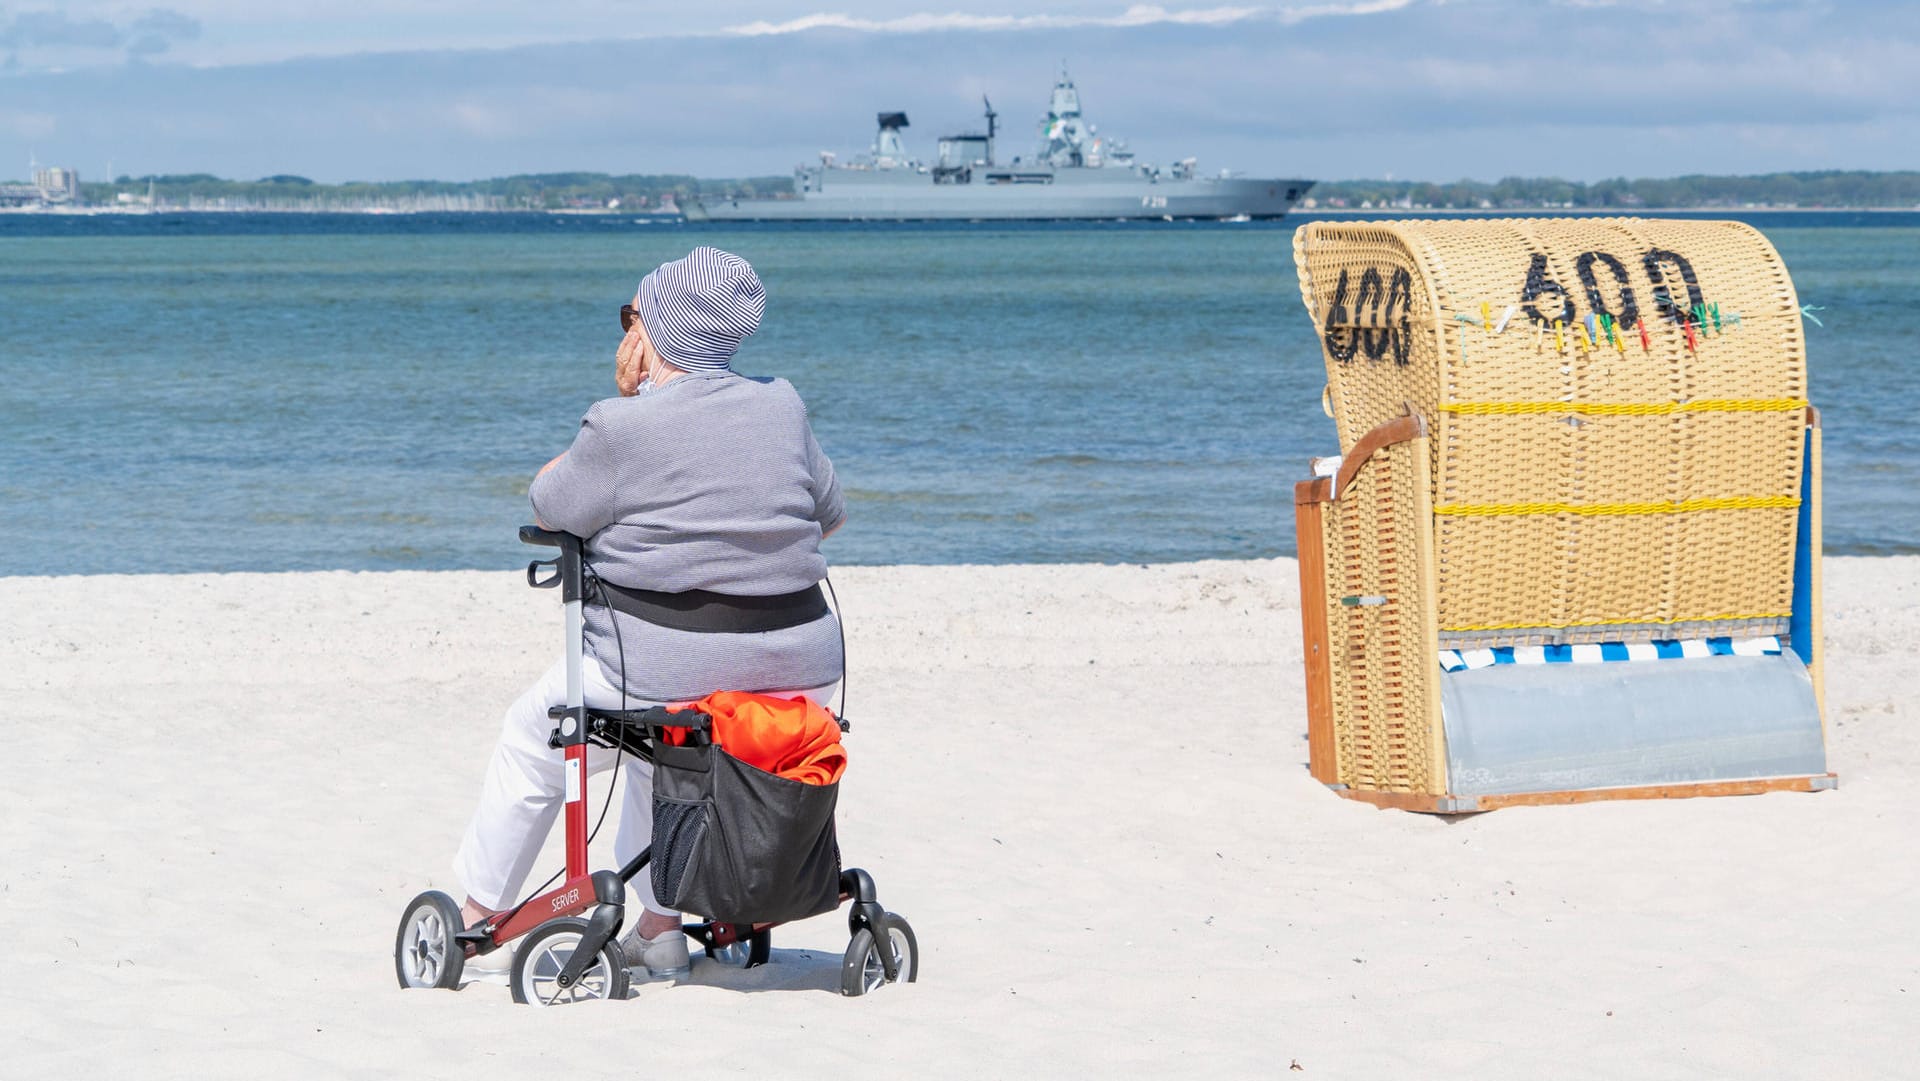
628,365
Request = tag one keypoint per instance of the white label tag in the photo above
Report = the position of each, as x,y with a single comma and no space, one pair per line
573,783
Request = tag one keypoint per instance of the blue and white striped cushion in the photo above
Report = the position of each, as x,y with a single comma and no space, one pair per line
1460,660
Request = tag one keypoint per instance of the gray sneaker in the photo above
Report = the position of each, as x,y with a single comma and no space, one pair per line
490,968
663,956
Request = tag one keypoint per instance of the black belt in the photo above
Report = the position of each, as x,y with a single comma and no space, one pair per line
717,613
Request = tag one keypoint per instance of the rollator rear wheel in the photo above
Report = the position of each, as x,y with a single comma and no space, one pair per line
536,968
862,970
425,951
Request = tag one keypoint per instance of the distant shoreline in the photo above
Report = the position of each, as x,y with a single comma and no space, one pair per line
369,211
1345,212
656,194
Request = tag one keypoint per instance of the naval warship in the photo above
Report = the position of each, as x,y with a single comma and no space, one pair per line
1076,173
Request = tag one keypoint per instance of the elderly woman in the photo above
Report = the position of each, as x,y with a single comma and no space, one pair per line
697,489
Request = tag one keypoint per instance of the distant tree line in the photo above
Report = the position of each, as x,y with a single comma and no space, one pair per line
1807,190
542,191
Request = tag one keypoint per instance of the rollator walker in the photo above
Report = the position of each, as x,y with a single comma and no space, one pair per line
571,951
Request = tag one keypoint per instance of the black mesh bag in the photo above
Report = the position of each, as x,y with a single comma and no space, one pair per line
737,844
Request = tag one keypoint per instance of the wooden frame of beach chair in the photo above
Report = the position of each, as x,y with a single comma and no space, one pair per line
1517,474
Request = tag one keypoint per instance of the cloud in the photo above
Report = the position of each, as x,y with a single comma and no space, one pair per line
59,34
99,33
1433,90
1138,15
53,29
1320,11
157,30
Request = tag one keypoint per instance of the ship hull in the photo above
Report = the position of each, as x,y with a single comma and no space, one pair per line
878,196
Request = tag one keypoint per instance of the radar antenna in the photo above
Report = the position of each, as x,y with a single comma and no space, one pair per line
888,150
992,126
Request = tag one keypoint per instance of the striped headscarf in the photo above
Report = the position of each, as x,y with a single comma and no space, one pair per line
697,310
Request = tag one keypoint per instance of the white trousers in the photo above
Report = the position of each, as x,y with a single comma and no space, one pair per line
526,782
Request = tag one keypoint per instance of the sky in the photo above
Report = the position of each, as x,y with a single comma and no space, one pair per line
1326,89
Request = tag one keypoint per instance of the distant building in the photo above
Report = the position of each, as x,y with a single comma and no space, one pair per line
57,184
52,186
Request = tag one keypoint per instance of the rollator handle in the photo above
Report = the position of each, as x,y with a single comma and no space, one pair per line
533,574
533,534
567,573
665,717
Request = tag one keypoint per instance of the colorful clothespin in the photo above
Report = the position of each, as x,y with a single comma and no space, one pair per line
1486,317
1693,343
1619,342
1586,338
1505,318
1716,317
1646,343
1559,339
1700,317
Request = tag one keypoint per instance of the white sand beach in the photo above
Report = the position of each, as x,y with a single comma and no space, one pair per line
1085,786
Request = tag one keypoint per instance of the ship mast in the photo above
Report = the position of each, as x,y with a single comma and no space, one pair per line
992,127
1066,132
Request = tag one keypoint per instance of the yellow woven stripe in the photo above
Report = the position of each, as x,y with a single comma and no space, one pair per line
1621,622
1629,409
1736,502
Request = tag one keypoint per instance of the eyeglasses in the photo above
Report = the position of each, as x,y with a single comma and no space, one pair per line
627,316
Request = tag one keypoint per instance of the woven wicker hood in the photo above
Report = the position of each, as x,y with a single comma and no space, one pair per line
1618,412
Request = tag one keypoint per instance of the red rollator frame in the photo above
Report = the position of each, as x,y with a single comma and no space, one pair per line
567,958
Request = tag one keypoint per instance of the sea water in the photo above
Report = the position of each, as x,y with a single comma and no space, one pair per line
288,392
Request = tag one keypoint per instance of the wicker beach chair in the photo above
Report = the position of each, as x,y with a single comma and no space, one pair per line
1570,549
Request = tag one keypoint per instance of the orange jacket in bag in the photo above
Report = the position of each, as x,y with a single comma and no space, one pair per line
795,738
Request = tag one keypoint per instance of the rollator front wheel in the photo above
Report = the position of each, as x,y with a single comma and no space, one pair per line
862,969
536,968
425,951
